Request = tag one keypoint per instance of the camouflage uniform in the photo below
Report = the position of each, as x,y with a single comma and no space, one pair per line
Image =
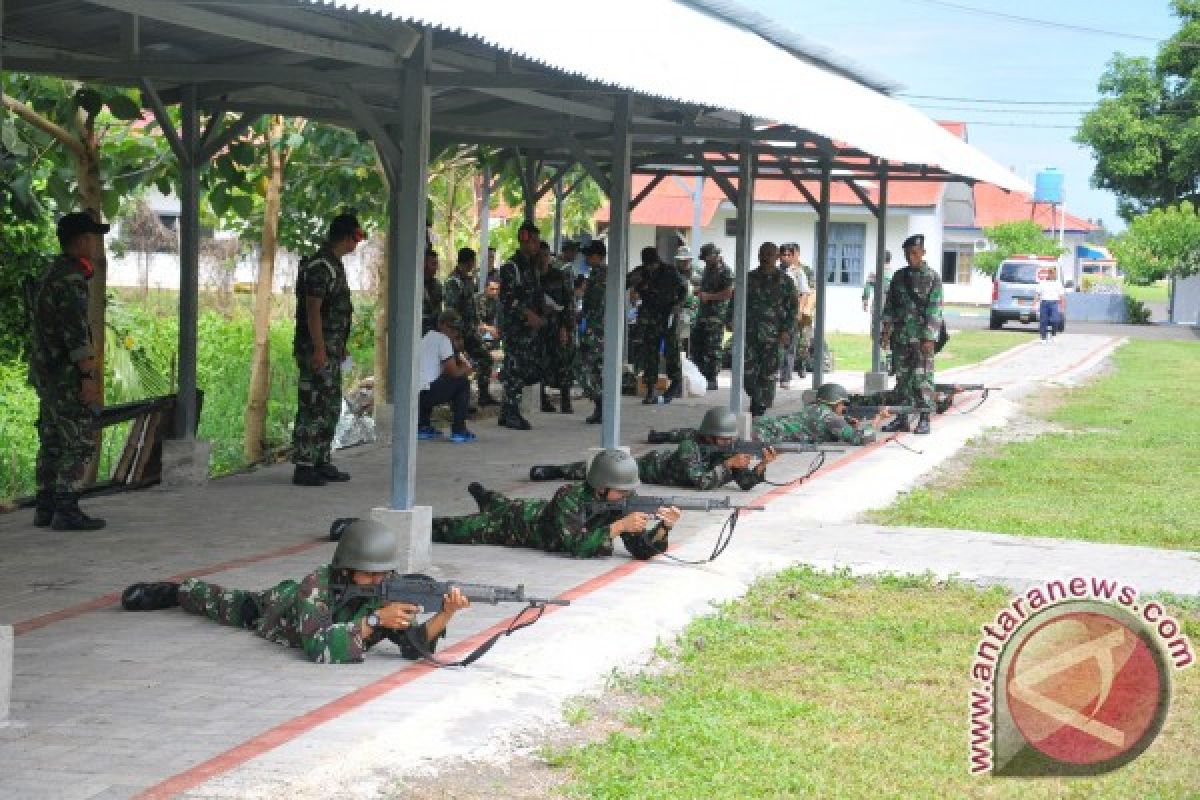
912,321
814,424
459,295
687,321
591,339
431,305
708,332
770,312
687,465
488,309
300,615
562,361
520,291
662,290
555,525
60,338
319,392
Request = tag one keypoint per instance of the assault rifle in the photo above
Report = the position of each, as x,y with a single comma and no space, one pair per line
756,448
868,412
429,594
648,504
954,388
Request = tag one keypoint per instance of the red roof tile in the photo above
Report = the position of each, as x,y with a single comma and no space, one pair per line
994,206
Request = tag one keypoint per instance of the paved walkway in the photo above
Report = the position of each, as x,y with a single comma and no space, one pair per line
158,705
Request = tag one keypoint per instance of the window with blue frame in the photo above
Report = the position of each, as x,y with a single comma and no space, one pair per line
847,244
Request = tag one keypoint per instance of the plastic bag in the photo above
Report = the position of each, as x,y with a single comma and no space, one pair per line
695,384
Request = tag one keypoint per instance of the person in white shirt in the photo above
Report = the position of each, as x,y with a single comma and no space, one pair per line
789,262
444,379
1049,300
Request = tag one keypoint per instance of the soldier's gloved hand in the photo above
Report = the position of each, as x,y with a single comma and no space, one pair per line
397,616
738,461
669,516
319,359
632,523
927,348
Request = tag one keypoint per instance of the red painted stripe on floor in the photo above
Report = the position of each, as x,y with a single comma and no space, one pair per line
104,601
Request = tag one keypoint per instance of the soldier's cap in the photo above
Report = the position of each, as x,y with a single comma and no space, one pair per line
683,253
346,225
79,222
596,248
451,319
650,255
916,240
709,249
569,244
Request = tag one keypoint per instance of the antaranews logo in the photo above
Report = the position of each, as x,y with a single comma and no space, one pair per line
1072,678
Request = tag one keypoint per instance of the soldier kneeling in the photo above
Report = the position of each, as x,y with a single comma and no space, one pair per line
309,614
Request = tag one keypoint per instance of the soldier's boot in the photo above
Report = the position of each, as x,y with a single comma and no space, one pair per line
712,383
482,496
68,516
651,397
43,509
658,437
565,406
674,390
150,596
898,425
597,414
547,406
331,473
546,472
923,423
250,613
307,475
511,418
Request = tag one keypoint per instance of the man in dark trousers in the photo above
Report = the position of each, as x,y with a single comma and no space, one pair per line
521,318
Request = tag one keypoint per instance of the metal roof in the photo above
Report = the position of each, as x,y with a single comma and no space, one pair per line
537,75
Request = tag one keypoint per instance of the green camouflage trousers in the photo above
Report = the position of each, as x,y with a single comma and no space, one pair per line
707,334
522,366
64,442
511,522
591,363
319,404
658,340
481,357
761,372
225,605
561,361
914,376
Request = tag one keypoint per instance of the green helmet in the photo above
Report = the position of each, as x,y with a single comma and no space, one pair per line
367,545
613,469
718,422
830,394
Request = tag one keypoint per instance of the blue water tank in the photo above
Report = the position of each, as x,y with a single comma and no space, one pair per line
1048,186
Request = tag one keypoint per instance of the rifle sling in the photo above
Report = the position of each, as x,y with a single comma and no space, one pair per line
517,624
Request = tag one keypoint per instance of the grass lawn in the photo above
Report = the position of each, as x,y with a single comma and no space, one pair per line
1126,471
1154,293
820,685
852,351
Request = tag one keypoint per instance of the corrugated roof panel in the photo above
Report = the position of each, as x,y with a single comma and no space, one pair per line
624,45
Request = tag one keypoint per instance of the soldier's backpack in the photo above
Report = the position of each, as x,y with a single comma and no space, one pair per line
943,335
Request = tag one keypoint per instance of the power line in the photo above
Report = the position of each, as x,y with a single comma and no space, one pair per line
999,102
1036,112
1044,23
1038,126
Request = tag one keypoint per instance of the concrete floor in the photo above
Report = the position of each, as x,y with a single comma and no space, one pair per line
110,704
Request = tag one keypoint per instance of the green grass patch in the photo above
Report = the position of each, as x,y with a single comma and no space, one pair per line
1156,292
1126,471
819,685
852,351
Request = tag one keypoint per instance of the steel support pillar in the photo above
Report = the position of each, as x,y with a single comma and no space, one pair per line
818,372
744,257
880,277
560,197
189,266
485,219
614,300
394,299
406,285
697,215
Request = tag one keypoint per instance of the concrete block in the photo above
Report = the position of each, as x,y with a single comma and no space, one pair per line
383,422
745,425
875,382
185,462
415,527
6,672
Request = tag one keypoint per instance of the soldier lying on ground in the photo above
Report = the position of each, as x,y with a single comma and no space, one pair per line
307,614
696,463
560,525
822,421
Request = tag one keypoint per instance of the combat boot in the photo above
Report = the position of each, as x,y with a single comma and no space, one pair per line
712,385
898,425
331,473
651,398
597,414
546,472
658,437
923,423
307,475
565,406
482,496
43,509
674,390
150,596
68,517
511,418
547,406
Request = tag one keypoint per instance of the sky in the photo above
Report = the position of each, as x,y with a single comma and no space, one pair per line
934,49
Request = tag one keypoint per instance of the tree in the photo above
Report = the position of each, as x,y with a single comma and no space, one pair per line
1166,241
1145,131
1014,238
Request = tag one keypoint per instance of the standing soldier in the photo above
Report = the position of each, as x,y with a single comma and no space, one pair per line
558,337
62,369
431,302
912,324
591,337
459,295
487,303
770,320
715,292
691,304
520,320
662,292
323,313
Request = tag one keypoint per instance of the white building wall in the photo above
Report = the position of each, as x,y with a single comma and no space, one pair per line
163,271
